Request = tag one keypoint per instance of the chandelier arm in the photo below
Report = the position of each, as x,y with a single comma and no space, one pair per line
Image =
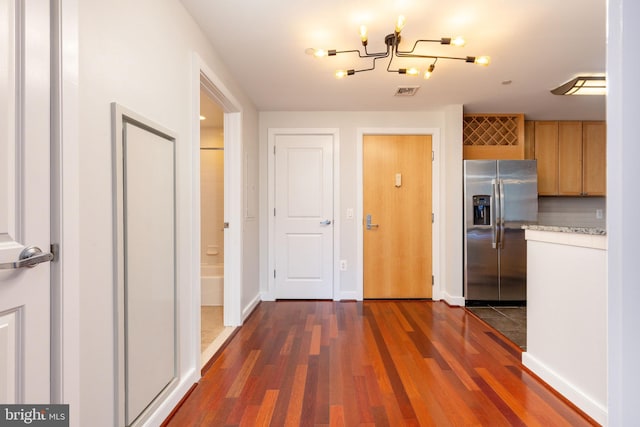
376,54
436,57
390,61
366,55
416,45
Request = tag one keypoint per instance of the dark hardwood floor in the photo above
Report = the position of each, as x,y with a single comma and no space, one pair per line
372,363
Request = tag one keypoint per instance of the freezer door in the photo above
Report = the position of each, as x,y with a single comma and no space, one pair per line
519,205
480,258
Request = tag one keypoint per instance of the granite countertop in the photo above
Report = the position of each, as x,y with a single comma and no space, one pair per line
566,229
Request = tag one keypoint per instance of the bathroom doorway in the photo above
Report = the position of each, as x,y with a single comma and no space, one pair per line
212,225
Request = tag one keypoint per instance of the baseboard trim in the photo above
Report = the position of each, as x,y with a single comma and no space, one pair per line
246,311
453,301
348,296
576,396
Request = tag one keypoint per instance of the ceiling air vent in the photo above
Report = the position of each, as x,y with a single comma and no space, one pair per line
407,90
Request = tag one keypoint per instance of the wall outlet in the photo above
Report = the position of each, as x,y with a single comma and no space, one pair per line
343,265
599,214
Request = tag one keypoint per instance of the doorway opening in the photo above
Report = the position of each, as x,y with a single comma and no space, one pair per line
212,225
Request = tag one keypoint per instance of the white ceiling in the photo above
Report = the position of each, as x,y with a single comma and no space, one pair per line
537,45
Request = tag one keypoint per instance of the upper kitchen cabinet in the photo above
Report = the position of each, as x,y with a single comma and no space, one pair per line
546,153
571,158
594,153
493,136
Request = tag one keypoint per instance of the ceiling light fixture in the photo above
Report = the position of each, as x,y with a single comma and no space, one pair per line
583,85
392,42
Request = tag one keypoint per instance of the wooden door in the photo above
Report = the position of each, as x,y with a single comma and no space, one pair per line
569,158
594,140
25,326
303,216
397,195
546,152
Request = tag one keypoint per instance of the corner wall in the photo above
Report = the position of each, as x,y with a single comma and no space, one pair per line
623,201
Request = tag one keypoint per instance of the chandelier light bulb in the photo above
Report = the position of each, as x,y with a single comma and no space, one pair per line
427,74
413,71
363,34
458,41
400,24
483,60
319,53
344,73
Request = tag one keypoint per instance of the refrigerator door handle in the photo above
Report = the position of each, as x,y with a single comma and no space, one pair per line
502,215
494,216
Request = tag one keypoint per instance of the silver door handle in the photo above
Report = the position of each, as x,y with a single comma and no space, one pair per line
369,225
502,214
494,215
29,258
325,222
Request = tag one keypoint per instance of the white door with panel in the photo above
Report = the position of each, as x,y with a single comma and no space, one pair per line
24,202
303,216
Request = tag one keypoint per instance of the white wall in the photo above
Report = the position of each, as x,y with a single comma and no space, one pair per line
138,54
623,205
449,222
211,196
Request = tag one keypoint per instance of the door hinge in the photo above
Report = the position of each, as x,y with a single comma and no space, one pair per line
433,217
274,149
433,155
274,211
432,280
274,274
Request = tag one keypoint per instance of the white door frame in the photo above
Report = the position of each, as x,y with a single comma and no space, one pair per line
270,293
233,166
435,201
65,208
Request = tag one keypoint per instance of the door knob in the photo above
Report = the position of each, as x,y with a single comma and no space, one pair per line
369,225
29,258
325,222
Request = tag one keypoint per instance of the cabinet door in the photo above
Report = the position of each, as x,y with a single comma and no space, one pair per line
594,146
570,158
546,152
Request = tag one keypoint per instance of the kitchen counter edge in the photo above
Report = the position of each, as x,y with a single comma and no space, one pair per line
594,231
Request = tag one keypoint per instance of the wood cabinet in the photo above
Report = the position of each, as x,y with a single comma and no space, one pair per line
594,154
546,153
571,158
493,136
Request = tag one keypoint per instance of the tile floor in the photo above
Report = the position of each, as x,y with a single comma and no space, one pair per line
510,321
213,331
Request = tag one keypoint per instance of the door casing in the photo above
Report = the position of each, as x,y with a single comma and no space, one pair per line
435,194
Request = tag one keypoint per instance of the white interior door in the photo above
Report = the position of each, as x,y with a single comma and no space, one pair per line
304,216
24,201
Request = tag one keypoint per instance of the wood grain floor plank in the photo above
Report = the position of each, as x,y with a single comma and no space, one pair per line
372,363
296,398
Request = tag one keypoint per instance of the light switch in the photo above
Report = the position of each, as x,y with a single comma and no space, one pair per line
349,213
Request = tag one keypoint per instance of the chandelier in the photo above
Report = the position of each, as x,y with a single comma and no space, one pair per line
392,42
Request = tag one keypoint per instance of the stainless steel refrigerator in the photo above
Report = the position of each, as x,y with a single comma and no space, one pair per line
499,197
